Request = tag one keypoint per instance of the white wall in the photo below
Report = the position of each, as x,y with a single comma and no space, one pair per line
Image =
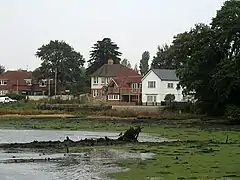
99,85
161,89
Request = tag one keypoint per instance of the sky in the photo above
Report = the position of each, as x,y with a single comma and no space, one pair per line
134,25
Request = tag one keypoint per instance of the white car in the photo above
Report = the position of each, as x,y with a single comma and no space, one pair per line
7,100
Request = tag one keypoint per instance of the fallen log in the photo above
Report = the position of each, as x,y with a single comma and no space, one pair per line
131,135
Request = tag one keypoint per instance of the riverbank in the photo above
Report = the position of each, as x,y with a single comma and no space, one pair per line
209,148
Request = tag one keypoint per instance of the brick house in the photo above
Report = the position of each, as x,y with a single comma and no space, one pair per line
22,82
124,89
115,82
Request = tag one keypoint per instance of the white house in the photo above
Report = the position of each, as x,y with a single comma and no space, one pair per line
157,83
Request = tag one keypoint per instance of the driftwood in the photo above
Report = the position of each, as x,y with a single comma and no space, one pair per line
131,135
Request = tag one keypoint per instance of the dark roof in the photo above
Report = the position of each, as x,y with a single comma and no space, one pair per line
114,70
166,74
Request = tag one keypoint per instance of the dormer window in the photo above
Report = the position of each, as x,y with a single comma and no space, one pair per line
43,83
28,81
3,82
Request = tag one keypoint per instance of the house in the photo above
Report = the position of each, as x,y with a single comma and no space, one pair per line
124,89
21,82
157,83
110,78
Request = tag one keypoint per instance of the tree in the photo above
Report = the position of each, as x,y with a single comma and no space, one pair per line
101,53
60,58
136,68
126,63
210,60
2,69
164,58
144,67
169,98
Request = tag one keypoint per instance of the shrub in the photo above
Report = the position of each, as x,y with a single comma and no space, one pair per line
169,98
233,112
186,107
16,96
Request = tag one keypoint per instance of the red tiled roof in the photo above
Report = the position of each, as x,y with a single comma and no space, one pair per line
126,81
16,80
18,75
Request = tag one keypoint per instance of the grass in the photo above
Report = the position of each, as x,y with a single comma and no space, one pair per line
185,161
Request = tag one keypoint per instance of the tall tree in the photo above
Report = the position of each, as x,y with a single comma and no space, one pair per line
164,58
136,68
102,51
2,69
59,57
210,58
144,66
126,63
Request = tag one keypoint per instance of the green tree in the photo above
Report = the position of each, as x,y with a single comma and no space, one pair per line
126,63
102,51
210,60
136,68
164,58
144,66
2,69
59,57
169,98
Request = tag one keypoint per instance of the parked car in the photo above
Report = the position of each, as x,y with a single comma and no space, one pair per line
7,100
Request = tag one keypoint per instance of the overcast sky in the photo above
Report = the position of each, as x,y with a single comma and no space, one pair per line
135,25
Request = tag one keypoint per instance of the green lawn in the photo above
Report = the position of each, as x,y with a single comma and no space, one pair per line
186,161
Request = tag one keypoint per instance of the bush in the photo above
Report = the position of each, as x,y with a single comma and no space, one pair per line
233,112
16,96
169,98
186,107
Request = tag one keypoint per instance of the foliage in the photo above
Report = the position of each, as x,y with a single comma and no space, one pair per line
136,68
126,63
144,67
169,98
102,51
233,112
59,57
2,69
184,107
165,58
210,60
15,96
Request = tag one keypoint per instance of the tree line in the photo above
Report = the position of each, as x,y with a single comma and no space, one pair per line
206,59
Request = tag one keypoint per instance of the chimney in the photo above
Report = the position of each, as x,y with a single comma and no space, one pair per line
110,61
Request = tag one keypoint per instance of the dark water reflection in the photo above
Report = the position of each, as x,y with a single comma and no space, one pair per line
89,164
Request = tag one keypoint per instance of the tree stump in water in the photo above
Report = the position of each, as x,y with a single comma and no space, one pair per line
131,134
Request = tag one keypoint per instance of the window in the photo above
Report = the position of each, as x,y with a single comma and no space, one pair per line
3,82
95,80
151,84
28,82
113,97
95,93
135,86
103,80
43,83
151,98
170,85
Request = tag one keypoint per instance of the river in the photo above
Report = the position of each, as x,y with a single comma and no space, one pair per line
89,164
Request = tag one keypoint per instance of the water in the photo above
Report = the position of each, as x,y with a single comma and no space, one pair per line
89,164
12,136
